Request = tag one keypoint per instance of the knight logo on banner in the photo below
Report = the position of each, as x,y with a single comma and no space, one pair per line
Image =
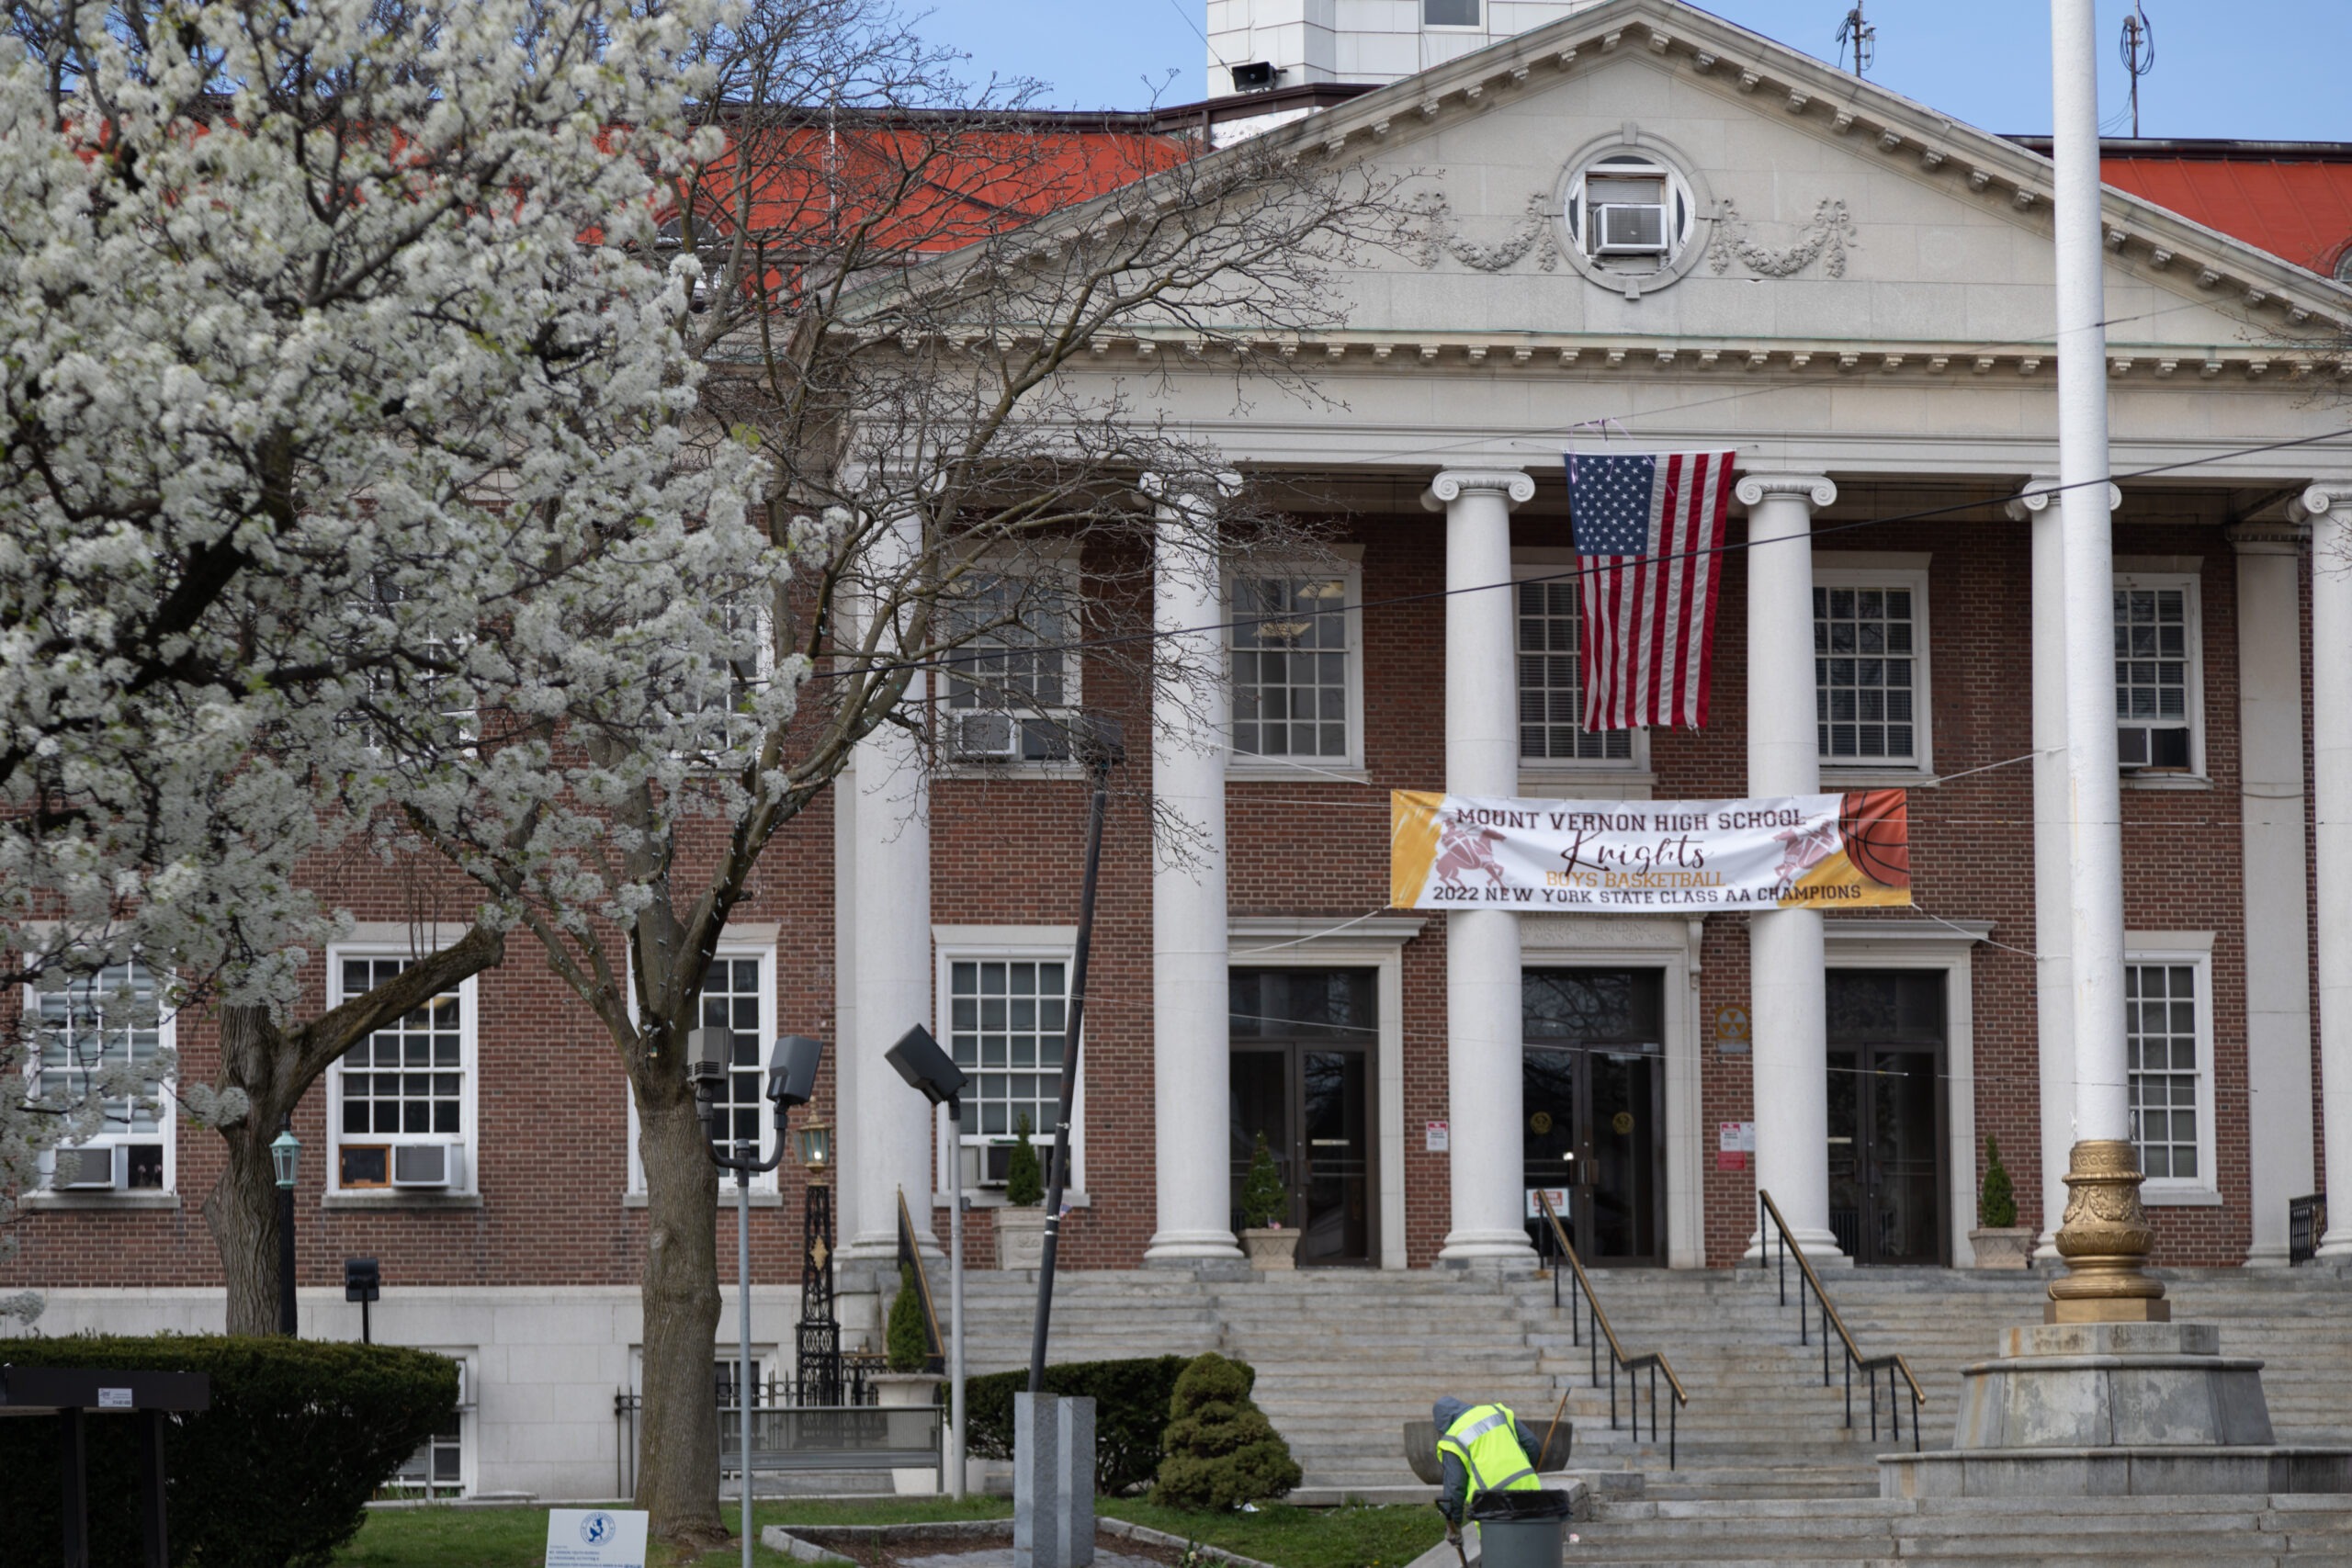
1817,852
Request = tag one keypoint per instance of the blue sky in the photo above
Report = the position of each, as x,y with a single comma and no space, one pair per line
2271,70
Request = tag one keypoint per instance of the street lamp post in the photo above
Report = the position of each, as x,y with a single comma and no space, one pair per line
791,1079
285,1160
923,1064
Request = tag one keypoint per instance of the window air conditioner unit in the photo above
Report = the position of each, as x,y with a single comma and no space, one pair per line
983,737
1631,228
2146,748
996,1164
88,1170
440,1165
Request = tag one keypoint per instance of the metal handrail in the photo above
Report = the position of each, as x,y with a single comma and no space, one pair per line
1870,1366
1654,1360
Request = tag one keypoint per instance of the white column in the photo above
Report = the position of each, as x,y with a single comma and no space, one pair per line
2095,845
2277,911
1786,986
1482,999
1191,716
2054,919
2330,509
888,1147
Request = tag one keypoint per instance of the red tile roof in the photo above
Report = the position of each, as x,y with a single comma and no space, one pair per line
2293,199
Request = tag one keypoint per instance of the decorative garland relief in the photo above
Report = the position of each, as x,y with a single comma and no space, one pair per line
1433,233
1825,239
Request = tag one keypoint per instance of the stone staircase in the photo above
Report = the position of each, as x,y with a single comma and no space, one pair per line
1344,1358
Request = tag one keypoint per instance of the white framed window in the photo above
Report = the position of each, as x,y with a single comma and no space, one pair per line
739,995
1628,209
1013,680
97,1032
1549,614
1451,14
419,706
2159,674
715,697
401,1103
1870,666
1003,1001
442,1467
2168,1046
1297,651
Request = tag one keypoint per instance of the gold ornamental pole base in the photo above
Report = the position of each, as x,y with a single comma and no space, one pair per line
2104,1240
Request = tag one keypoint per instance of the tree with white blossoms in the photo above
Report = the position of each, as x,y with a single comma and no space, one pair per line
919,368
338,355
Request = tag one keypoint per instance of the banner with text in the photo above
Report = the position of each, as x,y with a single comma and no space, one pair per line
1821,851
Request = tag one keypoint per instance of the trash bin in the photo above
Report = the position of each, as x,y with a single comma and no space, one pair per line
1522,1529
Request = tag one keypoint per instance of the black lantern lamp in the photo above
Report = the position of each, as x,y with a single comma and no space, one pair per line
285,1163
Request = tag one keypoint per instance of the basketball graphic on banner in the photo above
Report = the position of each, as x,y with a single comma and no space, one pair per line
1875,825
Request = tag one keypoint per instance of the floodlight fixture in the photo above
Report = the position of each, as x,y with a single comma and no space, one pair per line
926,1068
792,1072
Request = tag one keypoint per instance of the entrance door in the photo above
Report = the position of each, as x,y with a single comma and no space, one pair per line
1888,1179
1302,1077
1593,1088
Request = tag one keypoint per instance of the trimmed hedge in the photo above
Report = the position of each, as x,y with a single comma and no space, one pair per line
1132,1399
1222,1452
275,1475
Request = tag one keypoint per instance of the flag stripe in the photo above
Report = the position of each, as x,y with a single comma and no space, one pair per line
1647,527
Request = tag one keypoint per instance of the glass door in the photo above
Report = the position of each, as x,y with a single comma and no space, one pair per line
1593,1092
1302,1076
1886,1117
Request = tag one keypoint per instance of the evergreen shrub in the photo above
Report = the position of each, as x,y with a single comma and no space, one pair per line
1996,1205
1131,1404
276,1474
908,1343
1220,1452
1265,1202
1025,1184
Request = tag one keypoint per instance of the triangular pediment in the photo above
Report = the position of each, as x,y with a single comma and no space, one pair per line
1825,216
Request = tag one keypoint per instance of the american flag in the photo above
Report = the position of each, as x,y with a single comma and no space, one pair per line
1649,527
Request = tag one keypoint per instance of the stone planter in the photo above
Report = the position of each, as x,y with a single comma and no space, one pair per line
1020,1237
908,1391
2011,1248
1271,1248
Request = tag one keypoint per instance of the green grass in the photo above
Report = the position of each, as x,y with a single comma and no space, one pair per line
1286,1537
1297,1538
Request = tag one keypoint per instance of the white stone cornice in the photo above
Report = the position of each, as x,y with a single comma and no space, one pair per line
2044,489
2281,538
1515,487
1816,488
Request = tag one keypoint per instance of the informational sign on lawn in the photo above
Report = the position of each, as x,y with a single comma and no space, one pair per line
1813,852
595,1538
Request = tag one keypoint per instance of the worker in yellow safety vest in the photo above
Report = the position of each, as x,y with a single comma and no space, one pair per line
1481,1448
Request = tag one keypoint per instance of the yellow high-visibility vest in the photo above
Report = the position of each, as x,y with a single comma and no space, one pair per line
1482,1441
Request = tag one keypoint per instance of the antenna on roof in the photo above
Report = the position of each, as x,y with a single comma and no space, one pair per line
1861,35
2139,55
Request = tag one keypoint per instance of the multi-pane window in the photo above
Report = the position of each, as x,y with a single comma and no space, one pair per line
2162,1048
1551,686
436,1469
1865,670
2153,676
1290,667
97,1033
1010,676
713,716
408,1078
730,1000
1004,1022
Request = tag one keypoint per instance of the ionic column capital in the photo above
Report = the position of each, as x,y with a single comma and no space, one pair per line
2044,489
1451,485
1194,492
2320,500
1754,490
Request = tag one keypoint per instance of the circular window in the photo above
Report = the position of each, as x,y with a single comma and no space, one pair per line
1630,214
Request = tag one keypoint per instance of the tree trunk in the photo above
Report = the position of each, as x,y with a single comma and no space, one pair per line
243,1213
677,1470
243,1207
